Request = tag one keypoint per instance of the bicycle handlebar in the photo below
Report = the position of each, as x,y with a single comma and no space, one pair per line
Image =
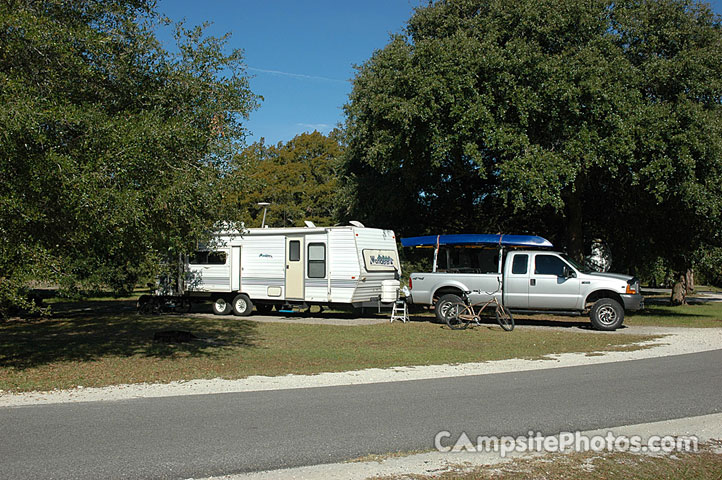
498,289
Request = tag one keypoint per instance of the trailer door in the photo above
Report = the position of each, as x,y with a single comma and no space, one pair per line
235,269
294,267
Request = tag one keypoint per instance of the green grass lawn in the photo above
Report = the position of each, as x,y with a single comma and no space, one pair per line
104,342
700,316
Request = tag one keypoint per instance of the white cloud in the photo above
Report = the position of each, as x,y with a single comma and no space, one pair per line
315,126
296,75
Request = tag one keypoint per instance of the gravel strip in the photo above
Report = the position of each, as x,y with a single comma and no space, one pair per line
675,341
705,428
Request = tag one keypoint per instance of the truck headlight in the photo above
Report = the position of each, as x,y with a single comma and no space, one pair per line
632,286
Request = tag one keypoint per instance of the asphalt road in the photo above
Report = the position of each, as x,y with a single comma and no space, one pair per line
204,435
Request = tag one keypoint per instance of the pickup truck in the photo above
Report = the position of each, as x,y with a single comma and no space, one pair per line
534,280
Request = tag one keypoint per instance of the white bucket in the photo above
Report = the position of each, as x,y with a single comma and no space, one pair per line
390,290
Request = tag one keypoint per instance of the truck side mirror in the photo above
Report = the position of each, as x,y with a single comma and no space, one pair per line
569,273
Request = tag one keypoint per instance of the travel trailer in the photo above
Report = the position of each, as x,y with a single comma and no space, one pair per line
295,268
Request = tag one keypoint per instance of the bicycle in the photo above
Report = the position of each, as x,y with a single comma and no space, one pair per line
460,315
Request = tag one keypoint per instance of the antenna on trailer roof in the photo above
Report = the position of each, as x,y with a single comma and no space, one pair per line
356,223
265,206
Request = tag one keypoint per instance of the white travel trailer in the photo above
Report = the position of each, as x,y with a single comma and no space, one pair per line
295,267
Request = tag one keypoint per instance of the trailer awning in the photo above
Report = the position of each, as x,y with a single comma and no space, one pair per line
477,239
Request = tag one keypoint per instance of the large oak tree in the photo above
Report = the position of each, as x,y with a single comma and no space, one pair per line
576,119
299,179
112,149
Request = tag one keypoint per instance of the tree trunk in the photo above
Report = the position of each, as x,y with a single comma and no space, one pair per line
679,290
689,279
575,233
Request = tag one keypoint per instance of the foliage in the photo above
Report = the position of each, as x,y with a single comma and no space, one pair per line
299,179
573,119
112,150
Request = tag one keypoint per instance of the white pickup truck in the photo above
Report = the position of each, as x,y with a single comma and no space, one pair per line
524,274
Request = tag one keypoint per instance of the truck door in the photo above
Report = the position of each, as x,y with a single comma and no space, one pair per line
516,281
549,288
294,268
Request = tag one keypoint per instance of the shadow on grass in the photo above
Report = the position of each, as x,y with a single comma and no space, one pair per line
540,320
87,331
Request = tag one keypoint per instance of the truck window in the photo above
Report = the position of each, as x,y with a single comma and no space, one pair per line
549,265
520,264
316,260
468,260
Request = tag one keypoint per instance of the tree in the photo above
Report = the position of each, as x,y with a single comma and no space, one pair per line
112,150
299,179
580,119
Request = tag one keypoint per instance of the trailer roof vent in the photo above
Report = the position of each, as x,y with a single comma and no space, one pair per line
309,224
356,223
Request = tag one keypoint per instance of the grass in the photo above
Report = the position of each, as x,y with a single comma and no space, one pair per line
706,464
104,342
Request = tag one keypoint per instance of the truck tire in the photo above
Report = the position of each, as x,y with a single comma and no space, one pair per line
221,306
443,304
606,314
242,305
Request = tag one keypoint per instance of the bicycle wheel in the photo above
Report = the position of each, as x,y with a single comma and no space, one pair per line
458,316
504,318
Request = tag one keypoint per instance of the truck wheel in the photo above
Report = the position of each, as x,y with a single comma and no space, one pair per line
443,304
606,314
221,306
242,305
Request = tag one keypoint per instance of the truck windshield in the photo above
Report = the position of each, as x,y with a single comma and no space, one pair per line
576,264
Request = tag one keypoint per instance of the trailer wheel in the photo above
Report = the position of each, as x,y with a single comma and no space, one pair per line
443,304
183,306
221,306
606,314
142,304
242,305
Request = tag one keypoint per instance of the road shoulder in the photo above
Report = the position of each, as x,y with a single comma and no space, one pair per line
675,341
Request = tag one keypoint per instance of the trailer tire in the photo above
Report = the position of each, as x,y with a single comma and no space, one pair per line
221,306
242,305
142,305
183,306
606,314
443,304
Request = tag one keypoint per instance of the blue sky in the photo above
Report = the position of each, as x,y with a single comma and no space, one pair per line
301,53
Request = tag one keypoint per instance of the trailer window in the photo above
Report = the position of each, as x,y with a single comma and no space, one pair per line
216,258
203,257
294,254
316,260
